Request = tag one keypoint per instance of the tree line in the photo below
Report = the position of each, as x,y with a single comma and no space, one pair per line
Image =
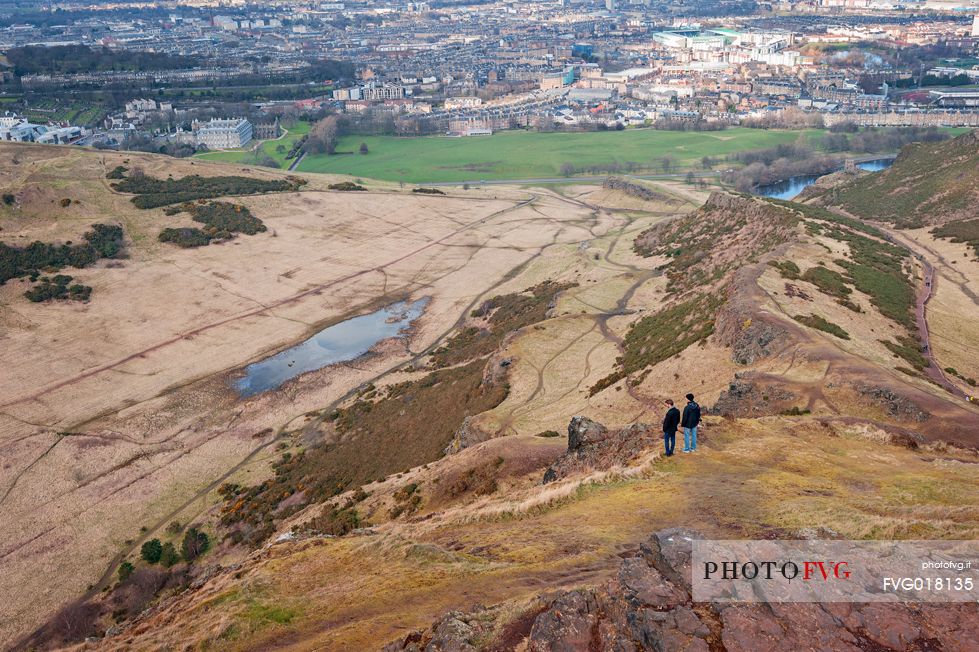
74,59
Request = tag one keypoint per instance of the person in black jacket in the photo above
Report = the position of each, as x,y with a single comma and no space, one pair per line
670,423
689,423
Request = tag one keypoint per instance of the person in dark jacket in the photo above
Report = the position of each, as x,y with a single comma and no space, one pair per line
670,423
689,423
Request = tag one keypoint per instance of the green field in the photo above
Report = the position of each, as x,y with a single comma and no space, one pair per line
528,155
277,149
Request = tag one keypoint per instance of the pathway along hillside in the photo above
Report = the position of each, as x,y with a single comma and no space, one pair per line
924,293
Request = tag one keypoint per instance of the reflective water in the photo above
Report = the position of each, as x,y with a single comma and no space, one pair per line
341,342
790,188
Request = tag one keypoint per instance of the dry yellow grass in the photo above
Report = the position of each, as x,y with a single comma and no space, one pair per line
751,478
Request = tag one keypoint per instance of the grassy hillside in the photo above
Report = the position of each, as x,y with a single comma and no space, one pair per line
525,155
929,183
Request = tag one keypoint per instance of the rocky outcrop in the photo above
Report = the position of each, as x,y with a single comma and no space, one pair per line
894,404
593,447
466,435
636,190
744,398
751,335
646,606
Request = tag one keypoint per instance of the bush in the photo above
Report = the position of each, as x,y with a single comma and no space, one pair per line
50,289
336,522
65,203
821,324
185,237
102,241
151,551
119,172
195,544
227,218
169,555
153,193
828,281
9,199
427,191
222,219
106,239
346,186
786,268
125,570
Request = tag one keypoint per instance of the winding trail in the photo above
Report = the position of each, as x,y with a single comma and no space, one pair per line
924,294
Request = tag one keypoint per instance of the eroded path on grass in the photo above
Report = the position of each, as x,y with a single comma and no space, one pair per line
925,291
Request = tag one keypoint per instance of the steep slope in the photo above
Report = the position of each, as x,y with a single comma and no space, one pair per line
928,184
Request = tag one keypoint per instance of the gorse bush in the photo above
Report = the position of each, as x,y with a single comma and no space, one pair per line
222,221
821,324
58,288
103,241
153,193
185,237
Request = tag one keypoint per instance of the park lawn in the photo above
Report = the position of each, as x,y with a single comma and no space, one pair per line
529,155
269,147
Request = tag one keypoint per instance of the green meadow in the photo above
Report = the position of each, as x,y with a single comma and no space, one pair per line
528,155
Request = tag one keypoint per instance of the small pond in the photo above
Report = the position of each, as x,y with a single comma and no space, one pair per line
341,342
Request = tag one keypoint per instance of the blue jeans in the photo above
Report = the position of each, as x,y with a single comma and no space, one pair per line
690,439
669,442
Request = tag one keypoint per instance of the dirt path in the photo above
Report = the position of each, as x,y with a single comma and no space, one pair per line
924,295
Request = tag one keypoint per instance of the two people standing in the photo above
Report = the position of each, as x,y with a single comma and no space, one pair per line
689,421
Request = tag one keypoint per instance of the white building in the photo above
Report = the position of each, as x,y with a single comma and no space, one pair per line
13,127
224,134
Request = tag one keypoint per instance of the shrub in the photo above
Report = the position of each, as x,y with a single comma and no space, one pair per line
50,289
106,239
908,349
786,268
185,237
796,411
336,522
151,551
119,172
195,544
427,191
65,203
125,570
346,186
828,281
102,241
821,324
227,218
169,555
9,199
153,193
